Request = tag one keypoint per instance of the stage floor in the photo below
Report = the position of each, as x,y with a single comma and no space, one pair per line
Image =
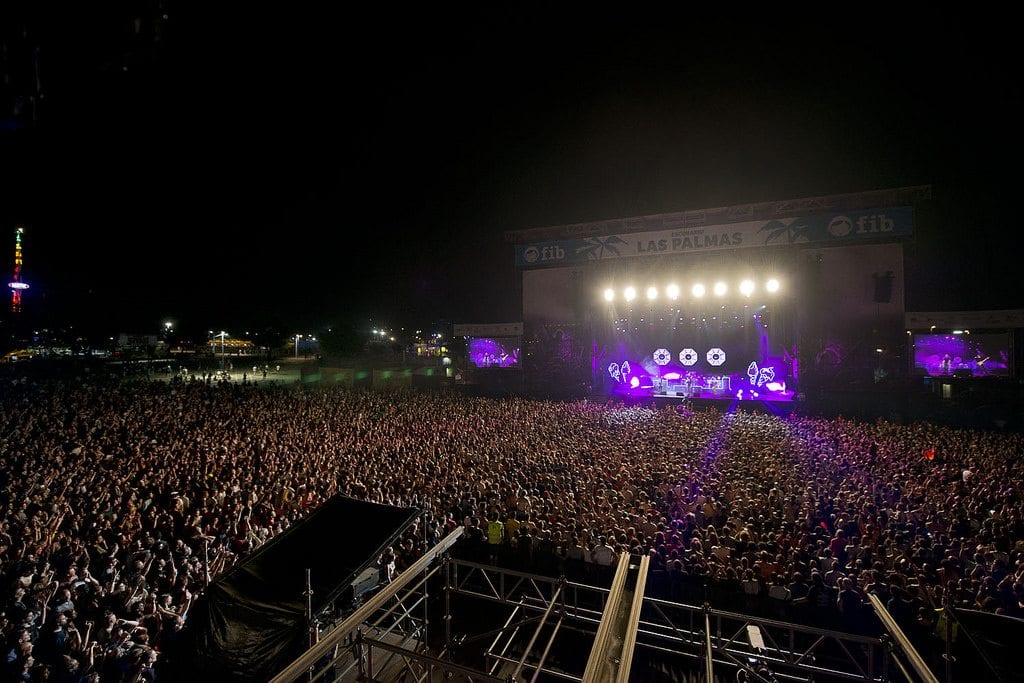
773,396
786,396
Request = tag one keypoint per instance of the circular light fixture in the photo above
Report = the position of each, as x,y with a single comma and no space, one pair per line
609,294
772,285
698,290
747,287
716,356
688,357
629,293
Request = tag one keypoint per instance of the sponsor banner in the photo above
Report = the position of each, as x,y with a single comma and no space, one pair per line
835,228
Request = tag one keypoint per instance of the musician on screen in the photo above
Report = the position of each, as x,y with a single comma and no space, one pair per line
980,360
945,364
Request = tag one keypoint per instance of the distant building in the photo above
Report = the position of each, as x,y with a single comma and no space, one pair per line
17,356
230,347
136,344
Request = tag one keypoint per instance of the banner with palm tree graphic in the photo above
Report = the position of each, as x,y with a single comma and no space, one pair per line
834,228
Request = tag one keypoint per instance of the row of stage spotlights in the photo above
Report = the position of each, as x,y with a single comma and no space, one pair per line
747,288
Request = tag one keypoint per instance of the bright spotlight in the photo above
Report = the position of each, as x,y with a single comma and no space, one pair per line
609,294
629,293
772,285
652,293
672,291
747,287
720,289
698,290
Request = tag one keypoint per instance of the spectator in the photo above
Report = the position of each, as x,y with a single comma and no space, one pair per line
780,596
121,502
604,556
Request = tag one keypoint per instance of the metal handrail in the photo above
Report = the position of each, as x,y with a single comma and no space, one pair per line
300,666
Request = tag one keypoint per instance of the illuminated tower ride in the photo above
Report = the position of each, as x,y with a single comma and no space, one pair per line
16,285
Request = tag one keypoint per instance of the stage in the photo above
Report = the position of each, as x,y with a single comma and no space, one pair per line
757,384
695,404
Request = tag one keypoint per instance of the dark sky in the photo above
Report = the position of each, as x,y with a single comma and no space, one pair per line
288,167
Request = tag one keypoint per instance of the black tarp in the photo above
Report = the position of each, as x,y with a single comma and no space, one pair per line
252,621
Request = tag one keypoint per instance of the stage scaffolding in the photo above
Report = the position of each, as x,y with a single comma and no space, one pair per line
387,638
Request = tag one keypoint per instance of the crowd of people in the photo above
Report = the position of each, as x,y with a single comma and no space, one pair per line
121,501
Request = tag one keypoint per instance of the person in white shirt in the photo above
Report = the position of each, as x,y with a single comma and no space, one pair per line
603,554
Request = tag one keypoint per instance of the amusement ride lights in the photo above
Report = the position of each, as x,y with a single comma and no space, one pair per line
16,285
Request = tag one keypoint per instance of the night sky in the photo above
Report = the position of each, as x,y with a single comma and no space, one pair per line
294,168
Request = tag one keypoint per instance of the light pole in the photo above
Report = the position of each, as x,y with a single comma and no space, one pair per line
297,338
222,335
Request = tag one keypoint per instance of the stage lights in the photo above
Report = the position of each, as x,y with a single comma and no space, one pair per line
698,290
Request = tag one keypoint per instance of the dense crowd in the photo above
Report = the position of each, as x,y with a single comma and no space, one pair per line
121,501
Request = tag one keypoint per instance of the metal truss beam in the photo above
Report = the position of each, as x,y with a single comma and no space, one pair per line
902,642
633,621
793,652
602,664
900,196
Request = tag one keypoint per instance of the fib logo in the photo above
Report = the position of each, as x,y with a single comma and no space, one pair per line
549,253
840,226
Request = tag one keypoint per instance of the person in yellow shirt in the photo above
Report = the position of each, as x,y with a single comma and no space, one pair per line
495,537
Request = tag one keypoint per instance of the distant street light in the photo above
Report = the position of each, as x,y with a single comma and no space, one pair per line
297,338
222,335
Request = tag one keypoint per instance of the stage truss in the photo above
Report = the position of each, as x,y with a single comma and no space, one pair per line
387,639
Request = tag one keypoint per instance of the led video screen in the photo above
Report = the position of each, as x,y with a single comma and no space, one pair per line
973,355
494,352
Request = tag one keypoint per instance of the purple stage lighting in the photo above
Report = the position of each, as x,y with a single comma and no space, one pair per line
973,355
486,352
